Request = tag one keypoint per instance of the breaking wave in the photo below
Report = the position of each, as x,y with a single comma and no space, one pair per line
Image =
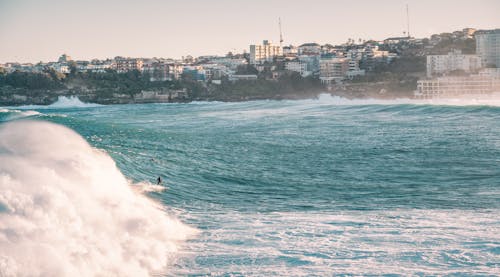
63,102
487,100
12,114
66,210
71,102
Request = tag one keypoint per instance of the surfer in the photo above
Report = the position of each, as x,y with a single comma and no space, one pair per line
158,181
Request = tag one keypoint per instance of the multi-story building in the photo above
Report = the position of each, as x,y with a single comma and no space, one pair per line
309,49
98,66
298,66
487,81
175,70
64,58
488,46
312,63
215,71
372,55
156,71
455,60
231,63
290,51
127,64
354,69
332,69
264,53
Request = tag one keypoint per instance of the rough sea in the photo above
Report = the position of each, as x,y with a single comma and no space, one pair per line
321,187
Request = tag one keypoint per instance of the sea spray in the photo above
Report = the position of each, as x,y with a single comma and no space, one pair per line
71,102
66,210
63,102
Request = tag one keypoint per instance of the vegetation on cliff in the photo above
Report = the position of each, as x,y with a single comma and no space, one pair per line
112,87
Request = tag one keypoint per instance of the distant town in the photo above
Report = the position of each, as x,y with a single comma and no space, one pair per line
464,62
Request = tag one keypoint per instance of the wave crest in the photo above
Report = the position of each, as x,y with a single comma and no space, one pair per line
486,100
66,210
71,102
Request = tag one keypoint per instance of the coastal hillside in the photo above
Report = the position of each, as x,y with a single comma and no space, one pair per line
367,69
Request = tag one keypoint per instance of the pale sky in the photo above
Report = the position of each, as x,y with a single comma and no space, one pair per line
41,30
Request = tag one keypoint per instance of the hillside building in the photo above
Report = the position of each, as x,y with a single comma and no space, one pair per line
455,60
264,53
488,47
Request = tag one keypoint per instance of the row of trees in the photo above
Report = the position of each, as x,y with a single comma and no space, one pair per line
28,80
105,84
288,85
53,80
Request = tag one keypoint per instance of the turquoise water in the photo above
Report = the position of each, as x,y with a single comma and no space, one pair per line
312,187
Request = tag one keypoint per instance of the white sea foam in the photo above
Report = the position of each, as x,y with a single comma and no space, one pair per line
354,243
18,114
145,187
487,100
71,102
247,110
63,102
66,210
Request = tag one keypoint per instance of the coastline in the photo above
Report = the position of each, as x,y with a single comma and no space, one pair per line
48,97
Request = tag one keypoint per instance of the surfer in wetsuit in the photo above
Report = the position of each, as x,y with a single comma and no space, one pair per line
158,181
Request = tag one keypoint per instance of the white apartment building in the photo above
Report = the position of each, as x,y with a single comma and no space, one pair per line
298,66
353,69
455,60
264,53
487,81
488,46
332,69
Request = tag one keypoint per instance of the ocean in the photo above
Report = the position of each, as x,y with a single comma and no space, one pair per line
316,187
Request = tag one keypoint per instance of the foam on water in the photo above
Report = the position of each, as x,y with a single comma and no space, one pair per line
359,243
486,100
13,114
66,210
63,102
71,102
282,188
312,107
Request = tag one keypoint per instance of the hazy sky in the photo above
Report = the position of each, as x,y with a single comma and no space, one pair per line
41,30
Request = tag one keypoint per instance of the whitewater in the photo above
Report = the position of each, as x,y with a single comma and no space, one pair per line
318,187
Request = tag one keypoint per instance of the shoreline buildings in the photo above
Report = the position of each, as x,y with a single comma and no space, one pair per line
459,75
451,74
486,82
453,61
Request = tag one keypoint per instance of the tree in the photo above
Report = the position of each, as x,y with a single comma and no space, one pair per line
56,76
246,69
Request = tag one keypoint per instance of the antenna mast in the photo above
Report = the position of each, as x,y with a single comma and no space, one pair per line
408,20
281,34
